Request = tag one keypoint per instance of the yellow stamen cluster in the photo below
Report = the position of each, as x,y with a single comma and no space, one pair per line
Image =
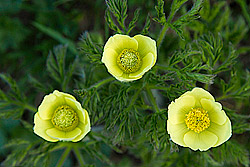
197,120
65,118
129,61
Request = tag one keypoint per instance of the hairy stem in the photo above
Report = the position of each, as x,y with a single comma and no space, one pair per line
133,99
152,100
63,157
31,108
107,80
79,156
162,35
243,6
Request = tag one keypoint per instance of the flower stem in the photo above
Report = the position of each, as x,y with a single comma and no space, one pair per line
63,157
135,96
152,100
243,6
162,35
107,80
79,156
31,108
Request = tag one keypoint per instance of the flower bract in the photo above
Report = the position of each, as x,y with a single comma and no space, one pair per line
61,118
128,58
196,121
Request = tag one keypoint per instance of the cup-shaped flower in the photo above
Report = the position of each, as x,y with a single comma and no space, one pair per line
196,121
128,58
61,118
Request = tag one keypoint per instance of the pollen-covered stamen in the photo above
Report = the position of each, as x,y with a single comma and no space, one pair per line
197,120
129,61
65,118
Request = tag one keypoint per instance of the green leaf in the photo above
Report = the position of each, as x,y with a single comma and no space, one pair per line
111,23
161,18
134,20
119,9
175,6
181,55
14,87
57,36
229,62
146,26
191,15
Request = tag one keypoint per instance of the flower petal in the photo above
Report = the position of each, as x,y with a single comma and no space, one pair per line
215,112
49,105
120,42
202,141
223,132
199,94
61,135
85,129
146,45
41,126
77,108
147,63
177,110
62,94
125,78
177,132
110,57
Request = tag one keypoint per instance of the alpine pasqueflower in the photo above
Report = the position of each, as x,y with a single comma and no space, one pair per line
61,117
196,121
127,58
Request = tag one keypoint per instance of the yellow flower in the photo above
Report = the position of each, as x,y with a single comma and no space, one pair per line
61,117
127,58
195,120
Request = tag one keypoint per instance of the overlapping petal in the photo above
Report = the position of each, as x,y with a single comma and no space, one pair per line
199,94
223,132
202,141
64,136
214,109
147,63
41,126
144,47
177,110
119,42
44,126
177,132
198,100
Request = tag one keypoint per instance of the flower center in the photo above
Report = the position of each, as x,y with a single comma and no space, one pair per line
65,118
129,61
197,120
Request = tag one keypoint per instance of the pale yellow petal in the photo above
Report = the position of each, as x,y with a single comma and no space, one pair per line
125,78
215,112
177,110
147,64
87,120
199,94
84,130
76,106
202,141
223,132
177,132
64,136
49,105
62,94
146,45
110,57
120,42
41,126
115,71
